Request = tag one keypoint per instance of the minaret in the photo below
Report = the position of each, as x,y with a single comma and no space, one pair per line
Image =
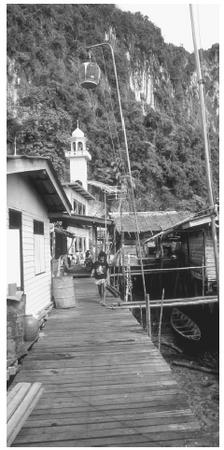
78,157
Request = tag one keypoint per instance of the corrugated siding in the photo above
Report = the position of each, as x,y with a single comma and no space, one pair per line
196,253
196,249
210,260
36,287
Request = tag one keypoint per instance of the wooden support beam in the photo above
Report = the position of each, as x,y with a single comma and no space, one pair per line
172,302
161,270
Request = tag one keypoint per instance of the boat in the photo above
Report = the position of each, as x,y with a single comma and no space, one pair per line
184,326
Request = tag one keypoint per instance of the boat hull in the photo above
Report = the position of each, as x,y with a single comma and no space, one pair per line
184,326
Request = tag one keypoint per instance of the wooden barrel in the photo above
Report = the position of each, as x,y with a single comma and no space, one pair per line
64,292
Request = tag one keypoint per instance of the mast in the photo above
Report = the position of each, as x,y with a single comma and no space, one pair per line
206,146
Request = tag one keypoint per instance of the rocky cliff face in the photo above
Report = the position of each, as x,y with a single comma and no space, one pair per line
159,94
148,80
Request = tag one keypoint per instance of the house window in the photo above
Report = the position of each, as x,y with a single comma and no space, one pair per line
14,249
39,254
79,208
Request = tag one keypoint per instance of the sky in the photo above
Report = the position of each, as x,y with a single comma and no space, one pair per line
174,21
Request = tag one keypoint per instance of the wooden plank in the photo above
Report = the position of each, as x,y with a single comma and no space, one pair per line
76,418
106,428
15,397
123,387
159,440
86,411
109,400
68,432
22,411
109,408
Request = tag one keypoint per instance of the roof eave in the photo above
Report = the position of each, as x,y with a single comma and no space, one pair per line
28,165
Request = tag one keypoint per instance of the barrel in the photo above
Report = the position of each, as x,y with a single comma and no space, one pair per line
31,328
64,292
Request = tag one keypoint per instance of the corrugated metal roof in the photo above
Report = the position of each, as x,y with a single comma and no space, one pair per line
104,187
80,189
76,219
154,221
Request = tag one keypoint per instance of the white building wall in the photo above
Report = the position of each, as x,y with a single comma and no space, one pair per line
78,170
72,195
79,232
22,197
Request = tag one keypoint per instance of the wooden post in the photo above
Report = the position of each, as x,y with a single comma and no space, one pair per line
141,321
127,280
148,315
114,250
160,319
105,222
203,277
95,242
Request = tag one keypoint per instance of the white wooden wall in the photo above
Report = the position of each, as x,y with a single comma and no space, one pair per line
22,197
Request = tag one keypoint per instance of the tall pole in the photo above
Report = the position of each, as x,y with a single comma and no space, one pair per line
127,155
105,220
206,147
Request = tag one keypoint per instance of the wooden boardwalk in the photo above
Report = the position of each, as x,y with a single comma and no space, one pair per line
105,384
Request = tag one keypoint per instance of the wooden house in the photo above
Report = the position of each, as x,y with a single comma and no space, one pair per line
193,249
127,256
79,199
149,223
197,245
33,192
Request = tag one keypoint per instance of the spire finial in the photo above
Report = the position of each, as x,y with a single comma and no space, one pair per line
77,124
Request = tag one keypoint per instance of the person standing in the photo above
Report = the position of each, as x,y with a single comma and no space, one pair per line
100,272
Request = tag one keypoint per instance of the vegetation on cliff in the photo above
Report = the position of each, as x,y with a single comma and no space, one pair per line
46,45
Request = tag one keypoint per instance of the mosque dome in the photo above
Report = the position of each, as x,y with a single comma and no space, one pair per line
77,133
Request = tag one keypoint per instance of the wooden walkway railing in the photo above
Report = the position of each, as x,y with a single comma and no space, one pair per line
105,383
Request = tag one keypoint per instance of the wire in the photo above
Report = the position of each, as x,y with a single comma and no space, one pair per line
128,180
